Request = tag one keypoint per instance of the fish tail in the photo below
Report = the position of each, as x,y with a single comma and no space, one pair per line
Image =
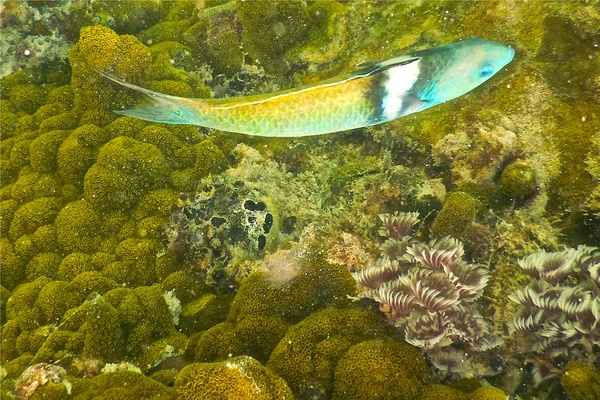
158,107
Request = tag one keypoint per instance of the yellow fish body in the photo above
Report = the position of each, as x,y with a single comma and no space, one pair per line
382,92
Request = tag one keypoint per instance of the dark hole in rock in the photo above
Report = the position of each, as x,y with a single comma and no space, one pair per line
268,222
238,184
251,219
218,275
262,242
260,206
288,224
250,205
218,221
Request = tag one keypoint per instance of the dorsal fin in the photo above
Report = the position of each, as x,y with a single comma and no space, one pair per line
369,68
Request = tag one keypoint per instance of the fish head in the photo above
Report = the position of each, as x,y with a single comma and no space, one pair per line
450,71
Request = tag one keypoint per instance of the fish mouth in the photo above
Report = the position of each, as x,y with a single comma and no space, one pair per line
511,55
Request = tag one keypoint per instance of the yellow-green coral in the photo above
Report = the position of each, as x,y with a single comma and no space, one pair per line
487,393
120,385
205,312
308,354
130,16
270,29
7,211
209,159
254,336
43,264
22,94
161,137
164,31
441,392
30,186
55,298
581,381
240,378
457,214
380,369
77,152
138,256
124,170
184,284
518,180
34,214
79,227
89,282
314,285
11,264
101,48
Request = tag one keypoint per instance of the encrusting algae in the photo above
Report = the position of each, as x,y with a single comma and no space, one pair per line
109,291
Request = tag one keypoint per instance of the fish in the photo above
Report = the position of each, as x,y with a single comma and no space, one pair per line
374,94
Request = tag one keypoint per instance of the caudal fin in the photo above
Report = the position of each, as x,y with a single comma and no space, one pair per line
158,107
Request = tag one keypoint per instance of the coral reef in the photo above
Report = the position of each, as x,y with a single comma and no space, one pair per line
560,308
428,292
90,294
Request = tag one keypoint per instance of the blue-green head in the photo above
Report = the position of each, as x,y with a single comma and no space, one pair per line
450,71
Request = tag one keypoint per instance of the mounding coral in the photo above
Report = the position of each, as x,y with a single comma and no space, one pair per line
428,292
237,378
559,310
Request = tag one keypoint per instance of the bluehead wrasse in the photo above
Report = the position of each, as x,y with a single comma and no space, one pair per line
377,93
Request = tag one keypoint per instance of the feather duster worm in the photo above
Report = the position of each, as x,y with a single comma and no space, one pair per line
560,308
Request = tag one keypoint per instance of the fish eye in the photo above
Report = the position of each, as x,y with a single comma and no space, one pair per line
486,70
